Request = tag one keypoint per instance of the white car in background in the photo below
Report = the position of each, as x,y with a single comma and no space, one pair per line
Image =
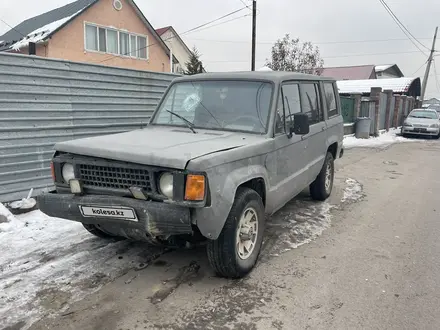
422,122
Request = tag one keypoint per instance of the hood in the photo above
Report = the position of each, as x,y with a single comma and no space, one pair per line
171,147
421,121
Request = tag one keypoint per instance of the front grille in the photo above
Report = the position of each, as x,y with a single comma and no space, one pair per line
114,177
420,125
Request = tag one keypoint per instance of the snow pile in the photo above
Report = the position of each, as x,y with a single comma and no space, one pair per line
43,256
6,218
41,33
303,220
353,191
383,140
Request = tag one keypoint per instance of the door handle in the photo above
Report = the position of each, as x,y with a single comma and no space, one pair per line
323,128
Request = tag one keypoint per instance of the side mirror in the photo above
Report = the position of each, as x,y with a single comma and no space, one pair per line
300,124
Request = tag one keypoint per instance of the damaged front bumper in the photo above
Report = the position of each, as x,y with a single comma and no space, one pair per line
120,216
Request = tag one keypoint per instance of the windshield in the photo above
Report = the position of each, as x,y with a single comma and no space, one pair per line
424,114
224,105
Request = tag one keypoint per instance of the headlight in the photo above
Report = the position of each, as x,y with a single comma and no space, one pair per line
407,124
166,185
434,126
68,172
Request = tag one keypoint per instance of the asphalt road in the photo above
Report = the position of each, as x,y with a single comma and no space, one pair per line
376,266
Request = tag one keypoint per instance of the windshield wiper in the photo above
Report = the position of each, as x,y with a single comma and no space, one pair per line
186,121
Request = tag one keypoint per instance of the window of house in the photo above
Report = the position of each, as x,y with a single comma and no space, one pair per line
116,42
102,40
142,47
112,41
330,99
310,102
133,46
91,37
124,43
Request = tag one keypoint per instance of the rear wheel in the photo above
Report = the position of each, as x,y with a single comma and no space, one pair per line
235,252
321,188
94,230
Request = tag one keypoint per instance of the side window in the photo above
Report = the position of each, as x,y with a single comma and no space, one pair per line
292,102
330,100
310,102
287,107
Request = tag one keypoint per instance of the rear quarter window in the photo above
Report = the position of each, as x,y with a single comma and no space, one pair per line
330,100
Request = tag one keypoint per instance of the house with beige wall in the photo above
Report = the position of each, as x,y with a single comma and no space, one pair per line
179,49
107,32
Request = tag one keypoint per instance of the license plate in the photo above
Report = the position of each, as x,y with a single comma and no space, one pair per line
124,213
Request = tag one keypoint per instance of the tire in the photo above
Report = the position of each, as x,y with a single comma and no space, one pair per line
319,190
224,253
94,230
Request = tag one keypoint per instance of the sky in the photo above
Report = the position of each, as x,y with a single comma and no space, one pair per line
347,32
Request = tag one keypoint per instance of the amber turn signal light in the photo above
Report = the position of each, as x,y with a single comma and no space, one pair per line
195,187
52,170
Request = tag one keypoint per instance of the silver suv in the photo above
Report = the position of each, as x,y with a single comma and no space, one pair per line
221,151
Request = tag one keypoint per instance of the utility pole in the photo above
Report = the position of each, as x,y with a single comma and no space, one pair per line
254,32
428,67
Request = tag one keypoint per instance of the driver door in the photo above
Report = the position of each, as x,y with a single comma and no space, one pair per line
289,178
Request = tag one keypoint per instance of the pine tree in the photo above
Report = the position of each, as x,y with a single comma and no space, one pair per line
194,65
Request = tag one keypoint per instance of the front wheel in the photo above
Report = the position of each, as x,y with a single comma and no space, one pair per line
321,188
235,252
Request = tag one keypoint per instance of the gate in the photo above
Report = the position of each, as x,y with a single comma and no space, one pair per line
347,107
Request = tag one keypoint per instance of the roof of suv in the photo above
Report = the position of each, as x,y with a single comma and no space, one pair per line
275,76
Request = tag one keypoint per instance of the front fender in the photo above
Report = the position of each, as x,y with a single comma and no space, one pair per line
223,184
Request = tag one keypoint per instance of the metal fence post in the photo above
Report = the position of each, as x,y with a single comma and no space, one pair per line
375,96
396,110
389,94
357,105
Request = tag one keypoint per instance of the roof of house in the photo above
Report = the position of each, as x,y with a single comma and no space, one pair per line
350,72
162,30
397,85
382,68
41,27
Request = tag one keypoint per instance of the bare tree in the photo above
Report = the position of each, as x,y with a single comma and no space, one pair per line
292,55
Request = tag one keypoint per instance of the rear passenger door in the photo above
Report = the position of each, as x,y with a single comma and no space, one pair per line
311,104
333,119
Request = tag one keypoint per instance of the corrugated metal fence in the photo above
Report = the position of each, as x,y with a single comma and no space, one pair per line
45,101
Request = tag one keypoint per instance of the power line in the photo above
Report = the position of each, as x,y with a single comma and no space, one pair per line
409,32
13,28
195,29
327,57
389,11
244,3
420,68
436,77
316,43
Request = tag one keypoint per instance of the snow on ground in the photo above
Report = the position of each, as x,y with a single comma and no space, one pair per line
303,220
46,263
383,140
